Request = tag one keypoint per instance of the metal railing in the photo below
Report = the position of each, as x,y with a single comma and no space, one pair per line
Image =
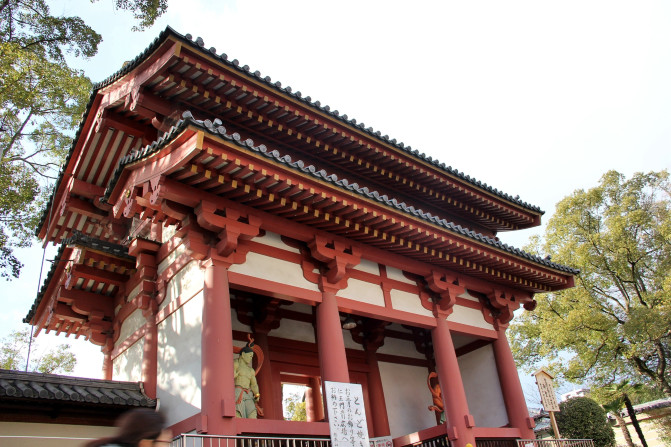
496,442
440,441
555,443
198,440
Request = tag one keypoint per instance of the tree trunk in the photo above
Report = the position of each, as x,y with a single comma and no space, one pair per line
634,420
623,427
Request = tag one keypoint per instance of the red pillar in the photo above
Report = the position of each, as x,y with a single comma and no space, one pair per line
272,409
331,345
376,395
108,366
513,396
314,405
217,382
150,354
459,421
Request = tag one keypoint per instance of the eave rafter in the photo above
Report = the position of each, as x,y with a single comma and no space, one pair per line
209,86
220,170
79,300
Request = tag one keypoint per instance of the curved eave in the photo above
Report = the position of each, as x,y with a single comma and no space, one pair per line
78,294
522,215
260,178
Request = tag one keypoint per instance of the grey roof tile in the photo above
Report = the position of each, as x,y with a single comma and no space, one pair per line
215,128
188,38
40,386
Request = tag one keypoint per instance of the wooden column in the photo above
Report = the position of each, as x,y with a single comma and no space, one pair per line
331,345
272,409
150,353
459,421
108,365
314,405
511,388
217,382
145,261
378,405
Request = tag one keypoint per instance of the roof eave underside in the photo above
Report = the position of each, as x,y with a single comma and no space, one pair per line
409,225
124,145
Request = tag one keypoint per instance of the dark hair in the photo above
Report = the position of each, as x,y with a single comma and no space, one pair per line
134,426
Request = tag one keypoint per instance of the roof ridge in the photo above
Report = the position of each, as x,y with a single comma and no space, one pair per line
215,127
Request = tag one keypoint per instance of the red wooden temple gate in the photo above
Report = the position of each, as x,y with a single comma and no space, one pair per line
201,203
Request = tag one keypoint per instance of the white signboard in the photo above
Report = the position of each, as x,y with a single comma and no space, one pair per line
547,391
383,441
347,415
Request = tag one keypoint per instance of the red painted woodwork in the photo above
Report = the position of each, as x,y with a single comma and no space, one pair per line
513,396
217,391
332,358
222,194
459,420
378,416
272,409
150,354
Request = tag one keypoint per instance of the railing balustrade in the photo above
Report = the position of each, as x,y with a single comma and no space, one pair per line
555,443
198,440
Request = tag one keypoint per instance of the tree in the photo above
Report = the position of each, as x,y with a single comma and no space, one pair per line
583,418
295,407
146,11
616,323
14,351
617,396
41,101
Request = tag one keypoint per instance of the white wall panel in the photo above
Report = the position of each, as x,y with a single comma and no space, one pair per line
179,361
483,389
407,397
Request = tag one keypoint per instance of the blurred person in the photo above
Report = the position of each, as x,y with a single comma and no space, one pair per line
141,427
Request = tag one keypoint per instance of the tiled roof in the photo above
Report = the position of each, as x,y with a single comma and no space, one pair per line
235,64
216,128
81,239
45,284
52,387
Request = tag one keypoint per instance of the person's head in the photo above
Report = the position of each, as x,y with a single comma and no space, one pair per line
247,356
141,427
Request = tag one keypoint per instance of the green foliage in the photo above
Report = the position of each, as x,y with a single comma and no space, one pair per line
583,418
295,408
14,351
147,11
614,324
41,101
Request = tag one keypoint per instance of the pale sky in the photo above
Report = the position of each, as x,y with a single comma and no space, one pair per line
535,98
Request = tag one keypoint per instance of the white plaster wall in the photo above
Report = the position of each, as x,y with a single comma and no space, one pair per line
407,397
364,292
179,361
471,317
130,325
128,365
185,283
396,274
368,267
349,342
168,232
67,433
408,302
237,326
273,269
171,258
397,346
294,330
469,297
483,389
275,240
